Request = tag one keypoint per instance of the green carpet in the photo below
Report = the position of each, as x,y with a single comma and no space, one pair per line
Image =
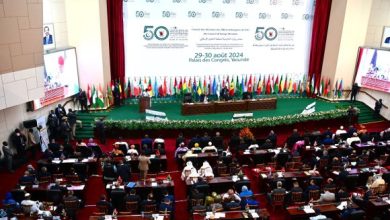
285,106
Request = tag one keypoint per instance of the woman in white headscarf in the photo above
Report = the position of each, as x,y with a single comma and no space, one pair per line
188,169
206,171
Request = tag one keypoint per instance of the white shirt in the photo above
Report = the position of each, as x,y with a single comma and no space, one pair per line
122,143
159,141
35,205
236,197
352,139
132,151
207,148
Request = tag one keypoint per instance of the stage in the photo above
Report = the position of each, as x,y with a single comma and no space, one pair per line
285,106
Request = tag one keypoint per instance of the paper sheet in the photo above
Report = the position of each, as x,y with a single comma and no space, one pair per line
308,210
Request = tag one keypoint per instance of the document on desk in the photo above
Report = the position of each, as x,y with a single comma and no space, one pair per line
307,209
342,205
264,176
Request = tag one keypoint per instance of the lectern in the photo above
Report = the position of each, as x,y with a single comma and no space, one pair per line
144,103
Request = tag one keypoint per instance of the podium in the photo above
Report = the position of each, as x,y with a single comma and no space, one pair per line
144,103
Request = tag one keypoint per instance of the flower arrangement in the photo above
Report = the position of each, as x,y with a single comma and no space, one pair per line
246,134
224,124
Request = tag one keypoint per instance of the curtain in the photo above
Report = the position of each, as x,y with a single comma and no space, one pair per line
318,39
116,39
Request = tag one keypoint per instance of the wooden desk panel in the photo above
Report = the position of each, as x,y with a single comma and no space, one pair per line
197,108
263,214
229,106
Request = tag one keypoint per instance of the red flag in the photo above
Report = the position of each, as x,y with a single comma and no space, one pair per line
295,87
180,84
268,87
285,85
165,87
250,84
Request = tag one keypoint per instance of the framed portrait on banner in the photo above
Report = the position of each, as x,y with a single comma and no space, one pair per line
386,38
48,37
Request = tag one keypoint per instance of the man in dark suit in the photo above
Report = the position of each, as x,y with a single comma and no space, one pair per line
225,93
132,197
48,38
19,142
100,130
60,111
354,91
8,156
123,171
26,178
83,100
104,203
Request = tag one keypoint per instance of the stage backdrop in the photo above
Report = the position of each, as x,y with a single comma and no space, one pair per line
166,38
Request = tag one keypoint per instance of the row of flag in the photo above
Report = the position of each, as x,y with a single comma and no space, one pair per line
101,96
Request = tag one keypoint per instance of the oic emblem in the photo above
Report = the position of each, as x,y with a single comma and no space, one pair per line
271,33
161,33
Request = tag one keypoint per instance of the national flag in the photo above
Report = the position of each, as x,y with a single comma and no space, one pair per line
218,90
136,87
268,86
327,89
184,88
194,86
295,87
299,89
242,85
272,84
120,89
180,86
308,87
89,95
276,87
340,91
238,87
164,87
322,87
109,95
281,85
336,89
150,88
250,84
214,86
285,89
290,86
175,87
231,89
94,96
312,84
259,86
100,98
204,85
263,86
199,89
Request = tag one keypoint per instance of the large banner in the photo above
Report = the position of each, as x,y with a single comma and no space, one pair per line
373,69
214,37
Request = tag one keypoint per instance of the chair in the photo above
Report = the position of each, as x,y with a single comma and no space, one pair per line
278,200
71,178
331,189
195,202
117,199
151,208
314,195
97,151
54,195
71,207
234,208
58,176
18,195
200,209
222,170
102,209
290,166
123,148
203,188
132,206
297,198
45,179
155,165
357,215
81,169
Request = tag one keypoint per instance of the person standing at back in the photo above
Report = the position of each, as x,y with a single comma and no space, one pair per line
143,165
354,91
100,130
